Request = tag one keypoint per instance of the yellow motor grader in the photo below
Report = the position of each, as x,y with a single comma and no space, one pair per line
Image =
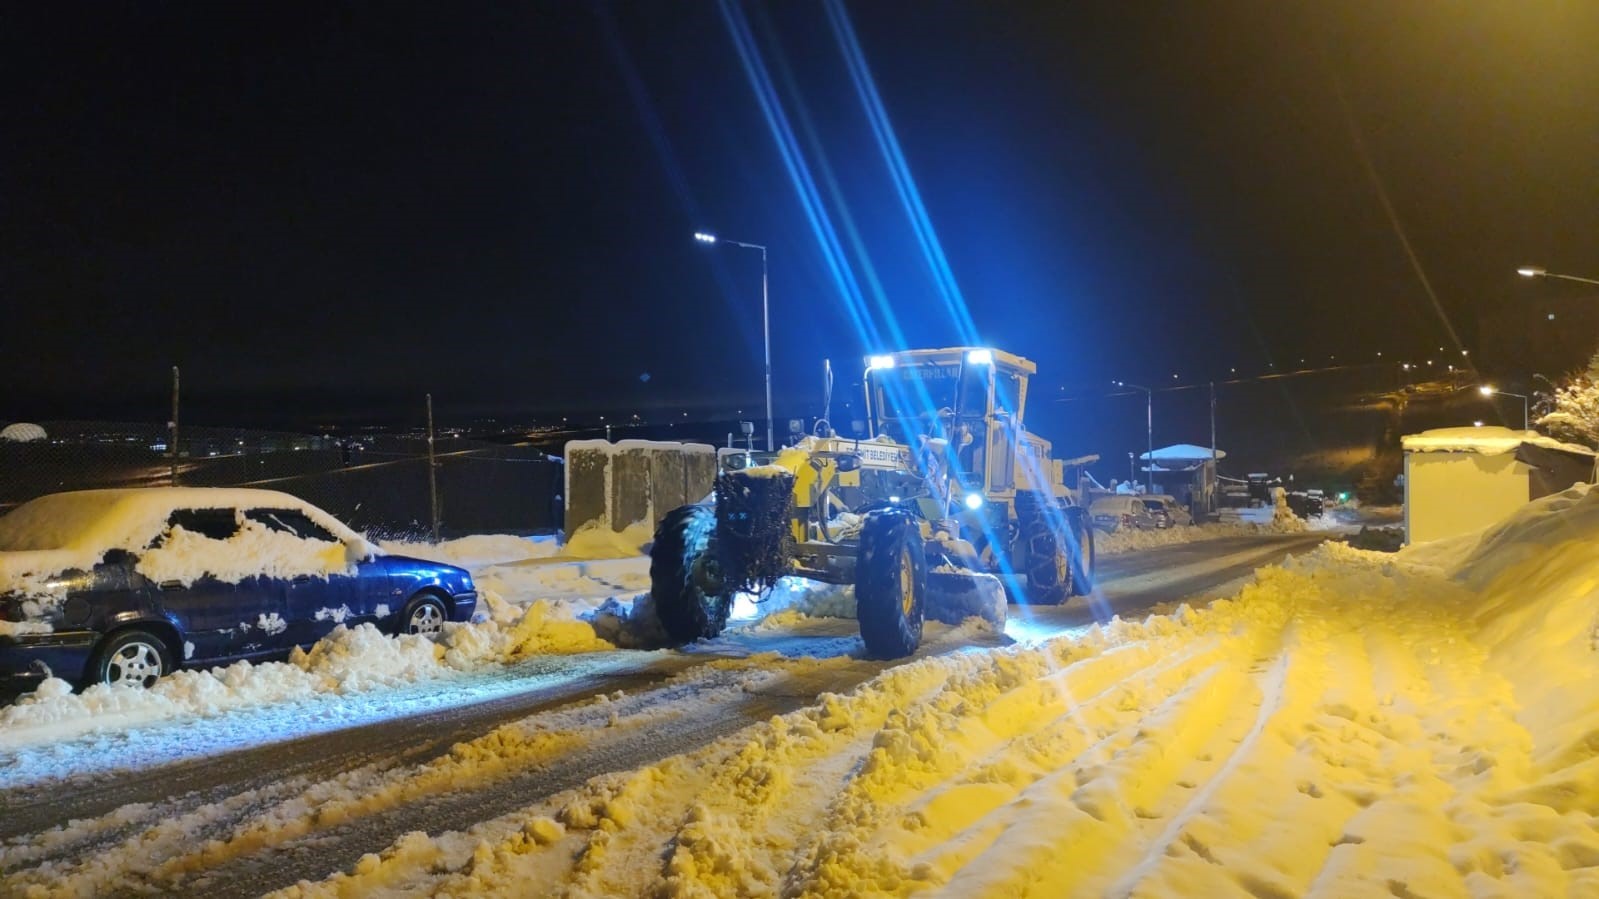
946,492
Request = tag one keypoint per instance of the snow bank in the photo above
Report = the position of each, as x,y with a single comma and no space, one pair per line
794,598
349,660
477,551
1131,540
596,540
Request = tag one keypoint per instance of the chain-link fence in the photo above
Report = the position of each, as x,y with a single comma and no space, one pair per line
377,482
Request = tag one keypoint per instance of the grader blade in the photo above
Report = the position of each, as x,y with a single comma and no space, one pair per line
953,595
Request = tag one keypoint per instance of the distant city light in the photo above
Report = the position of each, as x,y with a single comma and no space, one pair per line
1477,423
702,237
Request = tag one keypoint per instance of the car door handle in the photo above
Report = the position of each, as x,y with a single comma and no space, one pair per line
172,585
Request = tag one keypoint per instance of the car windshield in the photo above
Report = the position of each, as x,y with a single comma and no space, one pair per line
52,522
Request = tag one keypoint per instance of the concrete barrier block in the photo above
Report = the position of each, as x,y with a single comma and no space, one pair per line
587,483
666,482
699,471
630,487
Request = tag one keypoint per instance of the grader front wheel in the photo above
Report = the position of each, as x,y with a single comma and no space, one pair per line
890,584
684,582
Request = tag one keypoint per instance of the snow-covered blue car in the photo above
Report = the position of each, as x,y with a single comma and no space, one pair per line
124,586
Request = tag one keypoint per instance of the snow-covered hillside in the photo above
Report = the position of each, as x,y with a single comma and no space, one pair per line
1350,724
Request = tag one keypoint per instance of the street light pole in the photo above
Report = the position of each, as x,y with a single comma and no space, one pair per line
1490,390
1149,428
766,322
1531,271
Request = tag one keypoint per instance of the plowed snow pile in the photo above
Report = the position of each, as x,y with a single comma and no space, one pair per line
1351,724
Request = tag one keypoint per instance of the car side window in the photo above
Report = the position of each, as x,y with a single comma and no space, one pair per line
291,521
216,524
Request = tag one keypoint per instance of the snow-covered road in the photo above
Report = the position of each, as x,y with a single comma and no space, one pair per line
448,755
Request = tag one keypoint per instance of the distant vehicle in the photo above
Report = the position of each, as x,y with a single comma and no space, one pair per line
1176,514
1306,504
1124,512
124,586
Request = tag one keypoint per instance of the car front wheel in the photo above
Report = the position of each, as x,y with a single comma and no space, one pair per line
423,615
134,657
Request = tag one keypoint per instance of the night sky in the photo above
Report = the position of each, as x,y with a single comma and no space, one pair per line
328,209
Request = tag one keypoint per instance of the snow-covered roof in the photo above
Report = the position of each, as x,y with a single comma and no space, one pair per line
1487,441
22,432
1182,452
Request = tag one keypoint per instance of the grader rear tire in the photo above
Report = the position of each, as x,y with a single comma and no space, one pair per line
1049,572
890,585
678,576
1084,559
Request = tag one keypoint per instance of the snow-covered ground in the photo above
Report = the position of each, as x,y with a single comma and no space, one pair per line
538,598
1350,724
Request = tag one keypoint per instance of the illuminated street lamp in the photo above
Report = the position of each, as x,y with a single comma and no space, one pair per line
1490,390
1149,424
766,321
1530,271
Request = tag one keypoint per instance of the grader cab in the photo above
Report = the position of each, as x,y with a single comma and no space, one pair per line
945,501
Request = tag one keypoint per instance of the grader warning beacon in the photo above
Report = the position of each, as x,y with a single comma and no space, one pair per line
948,494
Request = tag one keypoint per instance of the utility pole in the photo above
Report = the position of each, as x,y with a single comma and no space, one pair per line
433,477
1210,487
766,338
172,428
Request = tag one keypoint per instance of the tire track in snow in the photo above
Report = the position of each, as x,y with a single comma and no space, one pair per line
412,739
1271,701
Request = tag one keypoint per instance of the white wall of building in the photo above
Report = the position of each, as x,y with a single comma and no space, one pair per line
1452,493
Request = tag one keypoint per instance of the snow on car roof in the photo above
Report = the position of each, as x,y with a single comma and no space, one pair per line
96,520
1487,441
